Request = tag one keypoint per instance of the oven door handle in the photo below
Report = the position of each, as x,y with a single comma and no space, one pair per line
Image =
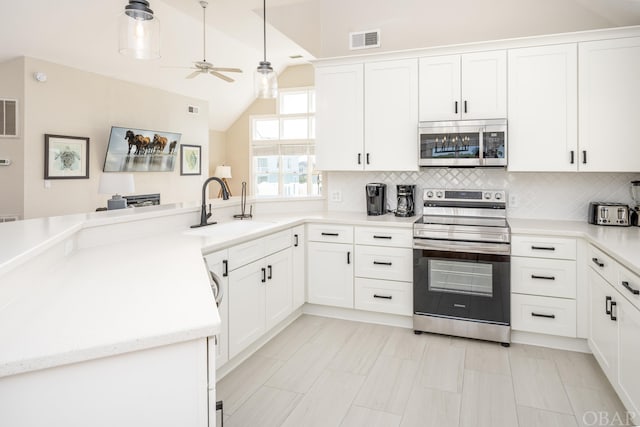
461,246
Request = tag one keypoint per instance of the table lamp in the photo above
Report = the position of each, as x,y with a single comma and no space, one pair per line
116,183
223,172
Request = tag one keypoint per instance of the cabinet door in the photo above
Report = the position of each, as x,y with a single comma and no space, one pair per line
629,379
330,274
603,332
484,85
340,117
279,292
391,115
440,88
246,306
543,108
217,263
299,261
608,93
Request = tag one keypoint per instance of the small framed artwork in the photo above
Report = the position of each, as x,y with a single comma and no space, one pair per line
66,157
190,162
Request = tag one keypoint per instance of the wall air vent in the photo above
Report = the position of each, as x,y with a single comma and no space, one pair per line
8,117
364,39
192,109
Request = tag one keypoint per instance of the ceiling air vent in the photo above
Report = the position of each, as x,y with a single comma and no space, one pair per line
192,109
364,39
8,117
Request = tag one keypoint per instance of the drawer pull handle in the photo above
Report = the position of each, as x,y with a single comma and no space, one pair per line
607,310
225,268
533,276
630,289
330,234
348,257
547,316
597,262
382,237
270,276
295,236
264,275
381,263
543,248
612,316
382,296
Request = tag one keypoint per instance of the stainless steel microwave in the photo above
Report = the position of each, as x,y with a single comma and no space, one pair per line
464,143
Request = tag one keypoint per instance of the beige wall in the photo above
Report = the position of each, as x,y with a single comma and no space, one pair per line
78,103
12,177
238,135
217,156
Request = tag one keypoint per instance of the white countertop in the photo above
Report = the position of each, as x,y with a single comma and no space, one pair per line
138,293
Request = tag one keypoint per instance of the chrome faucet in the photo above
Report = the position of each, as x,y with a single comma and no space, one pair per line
204,215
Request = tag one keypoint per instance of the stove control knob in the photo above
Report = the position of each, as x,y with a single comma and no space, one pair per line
498,196
429,194
439,194
487,196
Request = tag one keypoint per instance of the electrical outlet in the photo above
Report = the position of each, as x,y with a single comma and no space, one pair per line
47,184
513,201
336,196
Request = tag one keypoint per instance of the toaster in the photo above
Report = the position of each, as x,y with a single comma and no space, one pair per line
604,213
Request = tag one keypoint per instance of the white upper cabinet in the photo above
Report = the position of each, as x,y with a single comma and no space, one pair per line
543,108
367,116
340,117
463,87
391,115
609,92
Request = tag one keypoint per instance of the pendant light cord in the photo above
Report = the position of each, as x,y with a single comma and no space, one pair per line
264,28
204,30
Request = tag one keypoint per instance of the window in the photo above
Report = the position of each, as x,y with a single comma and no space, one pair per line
283,148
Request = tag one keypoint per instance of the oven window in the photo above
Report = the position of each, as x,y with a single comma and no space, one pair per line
461,277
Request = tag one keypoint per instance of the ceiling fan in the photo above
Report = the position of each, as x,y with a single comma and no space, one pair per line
205,67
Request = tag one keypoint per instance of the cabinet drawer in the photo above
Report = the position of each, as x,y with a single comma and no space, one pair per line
330,233
377,262
543,247
544,315
545,277
384,296
245,253
374,236
603,264
276,242
627,284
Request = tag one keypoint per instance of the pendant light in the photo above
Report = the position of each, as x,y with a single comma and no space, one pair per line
266,79
139,31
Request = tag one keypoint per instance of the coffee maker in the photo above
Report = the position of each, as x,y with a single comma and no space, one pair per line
405,206
376,198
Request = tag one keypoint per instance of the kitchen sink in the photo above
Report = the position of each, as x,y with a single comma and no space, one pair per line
226,229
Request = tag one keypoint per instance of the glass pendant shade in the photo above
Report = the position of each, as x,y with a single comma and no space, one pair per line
266,81
139,31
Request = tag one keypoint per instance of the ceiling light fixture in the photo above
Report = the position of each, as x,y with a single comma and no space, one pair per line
266,79
139,31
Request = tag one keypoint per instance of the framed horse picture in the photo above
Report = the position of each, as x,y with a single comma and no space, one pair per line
66,157
190,161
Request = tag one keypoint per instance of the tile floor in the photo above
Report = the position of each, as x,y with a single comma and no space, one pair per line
329,372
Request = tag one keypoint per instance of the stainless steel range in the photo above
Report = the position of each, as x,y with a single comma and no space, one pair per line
461,265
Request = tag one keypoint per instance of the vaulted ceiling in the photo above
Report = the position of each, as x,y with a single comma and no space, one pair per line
83,34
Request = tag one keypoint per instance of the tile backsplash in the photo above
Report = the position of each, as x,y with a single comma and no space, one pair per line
540,195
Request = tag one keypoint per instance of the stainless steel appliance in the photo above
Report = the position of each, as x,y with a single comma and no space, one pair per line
461,265
376,194
604,213
463,143
635,210
405,206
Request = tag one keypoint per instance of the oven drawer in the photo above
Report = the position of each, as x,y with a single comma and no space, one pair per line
384,296
545,277
543,247
378,236
544,315
378,262
330,233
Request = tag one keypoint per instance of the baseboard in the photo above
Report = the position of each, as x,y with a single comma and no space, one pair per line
551,341
359,315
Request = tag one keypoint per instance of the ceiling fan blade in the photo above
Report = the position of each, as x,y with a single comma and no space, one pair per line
194,74
221,76
227,70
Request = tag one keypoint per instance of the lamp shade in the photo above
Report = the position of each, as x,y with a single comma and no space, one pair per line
139,31
223,171
116,183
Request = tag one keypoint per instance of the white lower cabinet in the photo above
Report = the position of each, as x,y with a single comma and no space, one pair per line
330,274
246,306
299,267
217,263
629,348
384,296
603,334
544,315
277,288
